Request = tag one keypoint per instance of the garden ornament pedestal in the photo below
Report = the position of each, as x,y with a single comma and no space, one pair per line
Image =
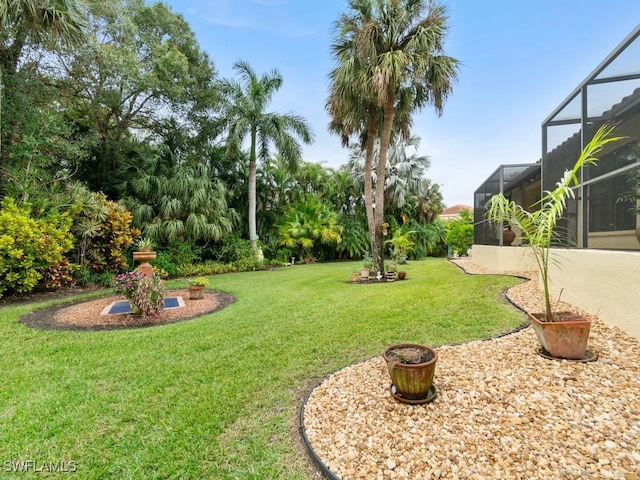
144,258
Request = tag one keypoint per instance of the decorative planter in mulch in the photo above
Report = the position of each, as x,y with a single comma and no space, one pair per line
196,292
411,367
144,258
563,339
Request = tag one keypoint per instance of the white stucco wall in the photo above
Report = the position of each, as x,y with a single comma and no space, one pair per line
504,259
602,282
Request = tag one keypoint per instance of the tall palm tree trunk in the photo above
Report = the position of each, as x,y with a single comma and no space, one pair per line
253,236
381,170
252,204
368,181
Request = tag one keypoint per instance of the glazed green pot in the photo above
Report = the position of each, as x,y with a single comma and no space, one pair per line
411,367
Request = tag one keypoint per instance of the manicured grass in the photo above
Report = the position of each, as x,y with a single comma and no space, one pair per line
217,397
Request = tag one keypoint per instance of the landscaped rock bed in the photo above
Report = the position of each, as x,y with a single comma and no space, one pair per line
502,411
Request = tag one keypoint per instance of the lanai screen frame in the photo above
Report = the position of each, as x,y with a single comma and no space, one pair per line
562,116
505,179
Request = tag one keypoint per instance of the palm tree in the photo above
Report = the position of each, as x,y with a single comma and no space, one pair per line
428,203
175,201
404,173
344,193
277,185
352,112
244,115
306,222
36,21
390,63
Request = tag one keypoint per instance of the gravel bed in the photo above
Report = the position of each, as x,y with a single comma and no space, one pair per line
501,412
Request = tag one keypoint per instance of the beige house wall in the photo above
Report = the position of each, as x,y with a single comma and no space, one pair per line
602,282
623,239
503,259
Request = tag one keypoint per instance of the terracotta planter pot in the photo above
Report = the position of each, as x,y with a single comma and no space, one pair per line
508,236
144,258
196,292
355,278
402,275
412,380
564,339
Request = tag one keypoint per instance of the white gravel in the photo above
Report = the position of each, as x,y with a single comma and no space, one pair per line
502,412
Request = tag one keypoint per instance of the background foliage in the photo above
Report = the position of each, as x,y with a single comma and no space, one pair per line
114,124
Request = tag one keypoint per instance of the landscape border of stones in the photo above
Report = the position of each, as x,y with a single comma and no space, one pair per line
502,411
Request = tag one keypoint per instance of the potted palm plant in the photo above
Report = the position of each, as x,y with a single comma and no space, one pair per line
401,244
562,334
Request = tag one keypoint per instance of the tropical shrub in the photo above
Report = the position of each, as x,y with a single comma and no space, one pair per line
146,292
164,262
401,243
429,238
355,237
232,248
60,275
29,246
105,246
206,268
174,256
306,222
460,233
102,229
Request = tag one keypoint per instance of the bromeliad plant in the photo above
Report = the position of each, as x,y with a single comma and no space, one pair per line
199,282
538,227
146,292
145,244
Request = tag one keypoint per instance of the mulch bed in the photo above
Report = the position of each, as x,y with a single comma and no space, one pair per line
88,318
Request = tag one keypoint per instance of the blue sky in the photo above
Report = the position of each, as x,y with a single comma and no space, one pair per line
521,58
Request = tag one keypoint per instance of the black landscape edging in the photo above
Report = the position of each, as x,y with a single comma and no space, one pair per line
319,463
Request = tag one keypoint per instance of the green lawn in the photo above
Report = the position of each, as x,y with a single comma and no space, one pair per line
218,397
